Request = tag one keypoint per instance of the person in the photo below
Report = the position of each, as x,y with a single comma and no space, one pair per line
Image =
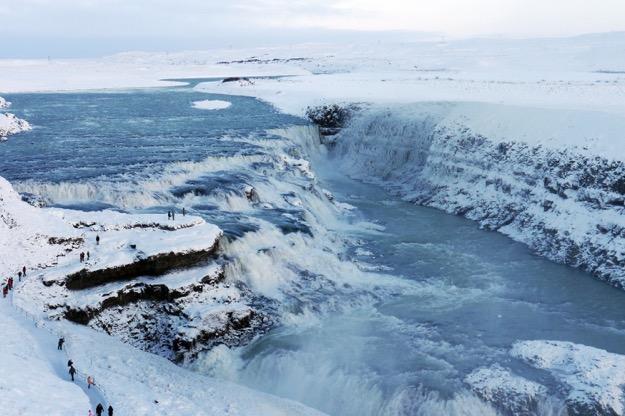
110,410
97,240
10,283
72,371
184,212
82,257
59,346
19,276
5,291
24,271
88,255
99,409
90,382
70,363
90,413
173,215
169,215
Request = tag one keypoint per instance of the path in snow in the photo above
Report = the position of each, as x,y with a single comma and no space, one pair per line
47,342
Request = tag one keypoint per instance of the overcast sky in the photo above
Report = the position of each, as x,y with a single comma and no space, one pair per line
92,27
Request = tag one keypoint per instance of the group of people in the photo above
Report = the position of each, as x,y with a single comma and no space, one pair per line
90,382
7,285
82,256
99,409
171,214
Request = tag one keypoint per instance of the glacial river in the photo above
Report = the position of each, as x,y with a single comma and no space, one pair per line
384,307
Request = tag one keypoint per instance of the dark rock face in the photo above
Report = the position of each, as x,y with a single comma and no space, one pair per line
237,79
130,294
150,266
330,119
155,318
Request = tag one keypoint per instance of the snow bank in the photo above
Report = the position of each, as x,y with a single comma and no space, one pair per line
211,104
595,378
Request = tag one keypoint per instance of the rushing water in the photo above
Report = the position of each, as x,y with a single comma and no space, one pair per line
386,306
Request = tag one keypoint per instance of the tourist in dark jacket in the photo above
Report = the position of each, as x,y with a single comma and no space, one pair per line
72,372
99,409
110,410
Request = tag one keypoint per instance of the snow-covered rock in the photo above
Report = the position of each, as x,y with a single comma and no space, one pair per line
564,201
595,378
4,103
10,124
503,389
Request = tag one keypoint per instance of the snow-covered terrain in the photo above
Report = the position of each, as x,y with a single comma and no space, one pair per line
47,242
